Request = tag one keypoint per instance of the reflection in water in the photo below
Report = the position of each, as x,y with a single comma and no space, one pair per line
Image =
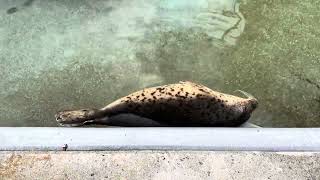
218,19
15,9
72,54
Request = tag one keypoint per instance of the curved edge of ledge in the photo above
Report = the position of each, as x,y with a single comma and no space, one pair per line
115,139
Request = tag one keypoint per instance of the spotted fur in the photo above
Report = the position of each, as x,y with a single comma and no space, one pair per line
181,104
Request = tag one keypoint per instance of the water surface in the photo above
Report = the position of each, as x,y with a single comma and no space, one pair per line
58,55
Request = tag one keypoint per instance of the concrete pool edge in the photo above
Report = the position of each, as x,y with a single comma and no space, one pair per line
203,139
158,165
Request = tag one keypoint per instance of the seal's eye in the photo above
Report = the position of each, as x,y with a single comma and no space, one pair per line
84,110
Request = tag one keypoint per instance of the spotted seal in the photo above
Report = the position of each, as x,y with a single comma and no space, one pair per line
182,104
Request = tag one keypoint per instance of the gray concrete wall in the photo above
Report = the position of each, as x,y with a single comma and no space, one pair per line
156,165
214,139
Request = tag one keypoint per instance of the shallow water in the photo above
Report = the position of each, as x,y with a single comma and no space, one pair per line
58,55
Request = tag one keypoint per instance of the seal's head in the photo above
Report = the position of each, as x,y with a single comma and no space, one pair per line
250,104
75,117
247,107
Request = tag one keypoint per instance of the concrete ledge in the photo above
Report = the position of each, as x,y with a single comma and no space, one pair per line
156,165
216,139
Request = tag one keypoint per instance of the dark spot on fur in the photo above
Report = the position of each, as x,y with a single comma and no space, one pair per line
202,90
181,89
142,94
193,93
153,93
169,93
180,96
199,95
154,97
213,99
160,89
143,99
12,10
137,96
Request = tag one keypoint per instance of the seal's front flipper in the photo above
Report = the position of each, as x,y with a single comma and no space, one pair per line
132,120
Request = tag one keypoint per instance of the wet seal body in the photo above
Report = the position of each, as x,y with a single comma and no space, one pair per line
182,104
